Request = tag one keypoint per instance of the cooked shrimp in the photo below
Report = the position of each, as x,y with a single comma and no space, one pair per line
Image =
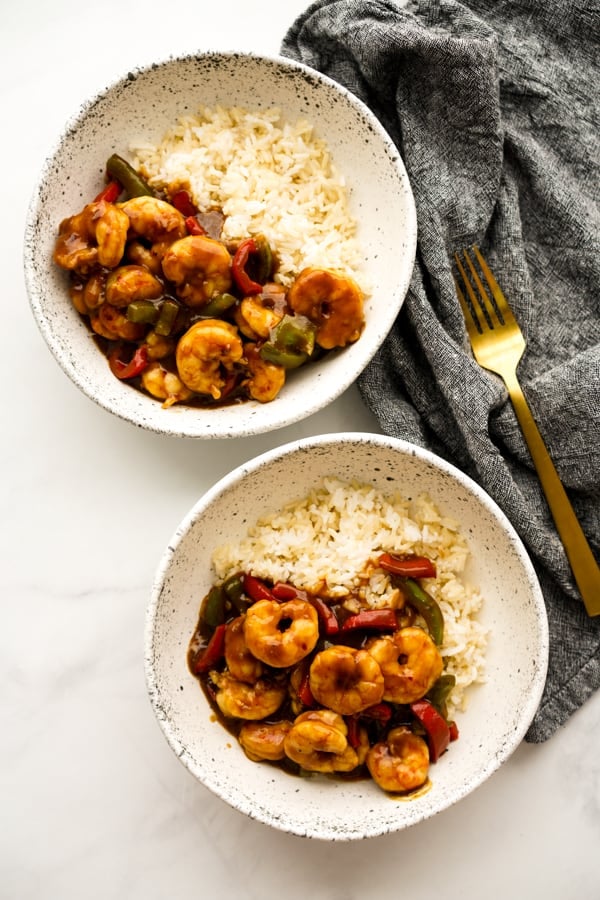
94,237
240,661
263,740
281,634
333,302
89,295
137,253
410,662
207,350
156,221
258,316
199,266
164,385
158,345
128,283
345,680
112,323
400,763
239,700
266,378
318,742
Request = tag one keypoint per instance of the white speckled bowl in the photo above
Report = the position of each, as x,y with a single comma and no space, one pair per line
499,711
140,107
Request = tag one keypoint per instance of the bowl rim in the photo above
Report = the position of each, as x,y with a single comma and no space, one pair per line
231,480
178,425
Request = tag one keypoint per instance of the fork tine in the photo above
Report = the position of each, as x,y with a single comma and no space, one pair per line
469,311
484,301
501,302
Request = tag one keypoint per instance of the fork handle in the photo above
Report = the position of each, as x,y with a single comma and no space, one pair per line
585,568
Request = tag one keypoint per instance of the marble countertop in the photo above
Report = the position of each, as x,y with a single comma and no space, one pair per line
94,803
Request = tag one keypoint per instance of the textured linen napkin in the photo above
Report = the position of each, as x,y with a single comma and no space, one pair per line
494,107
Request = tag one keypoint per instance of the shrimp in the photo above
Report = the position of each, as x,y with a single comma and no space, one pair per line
112,323
154,220
333,302
94,237
137,253
410,662
281,634
128,283
240,661
89,295
158,345
264,740
265,378
400,763
258,316
346,680
164,385
207,349
199,266
238,700
318,742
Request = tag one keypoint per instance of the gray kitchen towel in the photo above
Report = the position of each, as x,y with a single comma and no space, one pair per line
494,107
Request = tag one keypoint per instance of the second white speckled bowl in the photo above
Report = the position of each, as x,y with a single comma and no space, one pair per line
140,108
499,711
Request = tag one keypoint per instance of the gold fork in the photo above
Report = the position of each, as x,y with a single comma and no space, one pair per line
498,344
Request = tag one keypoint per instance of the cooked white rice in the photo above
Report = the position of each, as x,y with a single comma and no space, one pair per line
267,176
328,543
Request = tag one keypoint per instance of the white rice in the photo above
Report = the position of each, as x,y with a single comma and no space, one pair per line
328,543
267,176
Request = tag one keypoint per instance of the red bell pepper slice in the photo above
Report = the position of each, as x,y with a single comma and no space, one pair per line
382,712
110,194
380,619
135,366
453,731
238,268
284,591
326,616
408,566
438,731
213,652
257,589
182,202
353,727
304,692
193,226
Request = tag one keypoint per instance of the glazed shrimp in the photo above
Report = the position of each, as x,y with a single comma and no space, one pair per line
240,661
94,237
410,662
400,763
239,700
205,352
128,283
258,317
89,295
264,740
265,378
346,680
164,385
333,302
112,323
154,220
199,266
318,742
281,634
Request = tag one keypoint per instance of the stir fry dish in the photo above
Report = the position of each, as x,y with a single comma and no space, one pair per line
186,316
311,687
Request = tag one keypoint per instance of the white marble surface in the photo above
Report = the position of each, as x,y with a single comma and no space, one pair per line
94,804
